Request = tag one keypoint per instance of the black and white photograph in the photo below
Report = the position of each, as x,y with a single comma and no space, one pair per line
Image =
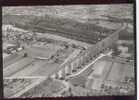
68,50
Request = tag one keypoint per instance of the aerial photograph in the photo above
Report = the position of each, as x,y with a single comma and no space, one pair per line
68,50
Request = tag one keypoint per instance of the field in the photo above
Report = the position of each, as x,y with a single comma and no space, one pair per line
19,65
113,70
11,59
45,51
46,89
13,86
38,68
28,66
120,71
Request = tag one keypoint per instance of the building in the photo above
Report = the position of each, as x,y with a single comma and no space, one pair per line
100,45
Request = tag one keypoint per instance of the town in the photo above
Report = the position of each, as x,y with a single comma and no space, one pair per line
57,62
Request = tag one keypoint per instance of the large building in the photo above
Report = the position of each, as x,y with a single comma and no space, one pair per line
100,45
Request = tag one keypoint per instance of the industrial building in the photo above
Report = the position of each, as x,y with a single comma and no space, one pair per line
89,53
